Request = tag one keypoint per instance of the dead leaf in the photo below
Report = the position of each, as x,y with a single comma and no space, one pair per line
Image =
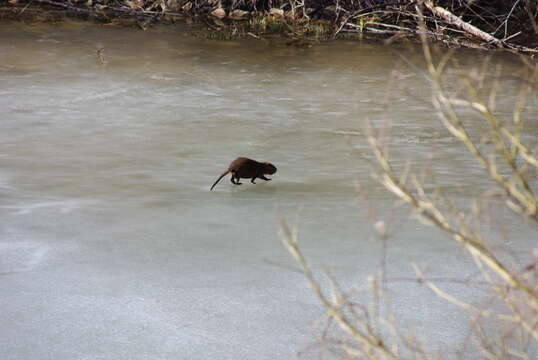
276,12
238,14
219,13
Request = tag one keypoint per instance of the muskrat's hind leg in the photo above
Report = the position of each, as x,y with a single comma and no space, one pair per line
236,179
252,180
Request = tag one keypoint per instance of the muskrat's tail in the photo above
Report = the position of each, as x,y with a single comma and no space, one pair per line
220,177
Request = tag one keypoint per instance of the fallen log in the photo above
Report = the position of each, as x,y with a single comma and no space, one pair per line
459,23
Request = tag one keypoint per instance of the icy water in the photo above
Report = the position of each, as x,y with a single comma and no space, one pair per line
112,245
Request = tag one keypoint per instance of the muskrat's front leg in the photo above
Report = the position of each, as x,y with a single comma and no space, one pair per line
252,180
264,178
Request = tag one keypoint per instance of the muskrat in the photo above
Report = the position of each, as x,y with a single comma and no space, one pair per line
247,169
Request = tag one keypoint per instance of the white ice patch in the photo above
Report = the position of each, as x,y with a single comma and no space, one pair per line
61,206
99,95
21,256
160,77
4,185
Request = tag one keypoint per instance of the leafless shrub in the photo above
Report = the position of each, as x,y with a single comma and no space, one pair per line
510,163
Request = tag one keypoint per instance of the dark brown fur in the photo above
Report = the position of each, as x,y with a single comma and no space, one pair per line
247,169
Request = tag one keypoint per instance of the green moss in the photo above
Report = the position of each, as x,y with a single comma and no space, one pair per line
276,25
320,29
257,25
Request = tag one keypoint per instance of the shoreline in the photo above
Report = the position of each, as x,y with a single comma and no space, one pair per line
389,21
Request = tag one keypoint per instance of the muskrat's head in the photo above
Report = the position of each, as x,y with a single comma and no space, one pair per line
269,168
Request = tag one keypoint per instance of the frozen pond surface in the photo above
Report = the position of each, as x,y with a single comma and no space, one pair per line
112,246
